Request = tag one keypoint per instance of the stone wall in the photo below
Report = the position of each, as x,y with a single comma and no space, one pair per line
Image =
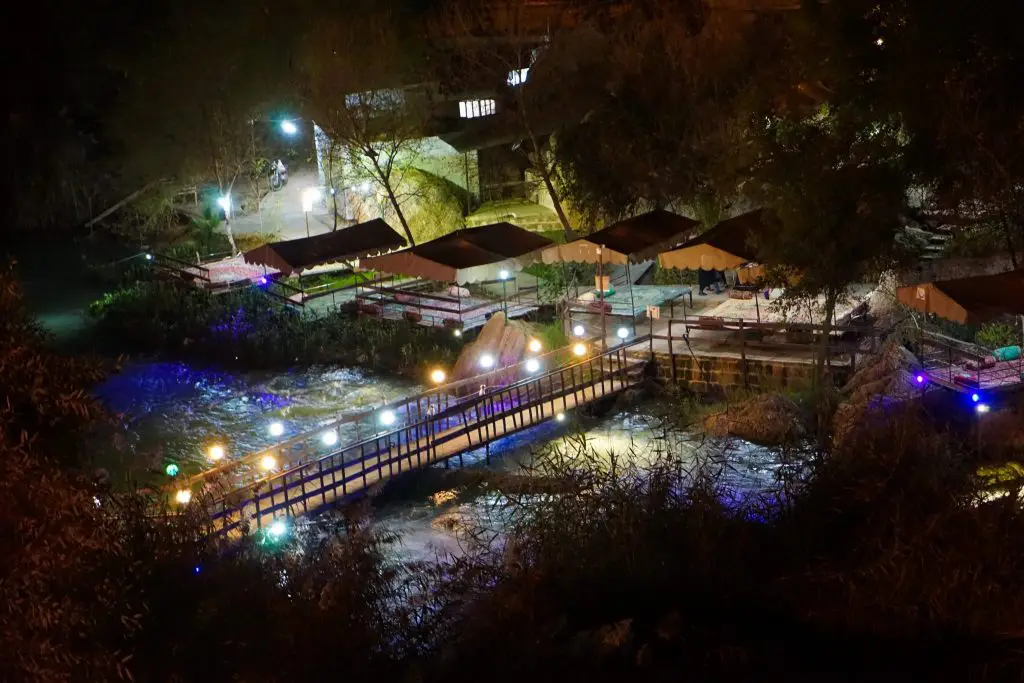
705,373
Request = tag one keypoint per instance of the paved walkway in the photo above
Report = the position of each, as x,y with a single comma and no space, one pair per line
281,212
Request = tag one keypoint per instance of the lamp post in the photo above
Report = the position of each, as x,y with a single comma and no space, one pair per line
309,196
503,275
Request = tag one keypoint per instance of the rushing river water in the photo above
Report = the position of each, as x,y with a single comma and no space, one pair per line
172,412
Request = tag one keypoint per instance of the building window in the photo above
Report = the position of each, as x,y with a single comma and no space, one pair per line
518,76
471,109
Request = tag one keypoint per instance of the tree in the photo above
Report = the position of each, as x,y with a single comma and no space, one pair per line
949,79
197,97
354,69
678,99
839,195
530,69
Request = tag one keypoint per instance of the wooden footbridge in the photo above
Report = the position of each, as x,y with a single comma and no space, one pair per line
426,429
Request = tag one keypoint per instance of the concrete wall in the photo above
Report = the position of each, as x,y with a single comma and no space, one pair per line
441,159
707,373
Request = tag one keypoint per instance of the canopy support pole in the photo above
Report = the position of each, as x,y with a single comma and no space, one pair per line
600,293
632,303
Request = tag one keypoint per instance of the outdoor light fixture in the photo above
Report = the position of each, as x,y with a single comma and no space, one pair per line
149,257
975,397
183,496
438,376
329,438
263,279
276,428
532,365
171,470
225,203
919,379
535,346
277,529
457,333
216,452
268,462
502,274
289,127
387,418
487,361
560,417
579,330
622,333
981,408
579,350
309,197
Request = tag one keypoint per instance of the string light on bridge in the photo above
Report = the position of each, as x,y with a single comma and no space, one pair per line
579,350
268,462
183,497
532,365
276,428
329,438
535,346
578,330
387,417
216,452
172,469
487,361
438,376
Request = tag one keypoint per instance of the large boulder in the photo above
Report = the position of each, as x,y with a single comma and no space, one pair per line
504,341
768,419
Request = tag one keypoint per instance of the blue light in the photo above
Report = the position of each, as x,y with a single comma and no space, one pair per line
263,279
196,569
975,397
919,379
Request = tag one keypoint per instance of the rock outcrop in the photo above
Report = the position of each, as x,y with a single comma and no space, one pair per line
769,419
504,341
887,377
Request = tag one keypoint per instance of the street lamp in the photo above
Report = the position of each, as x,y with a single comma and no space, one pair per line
289,127
225,203
503,275
309,197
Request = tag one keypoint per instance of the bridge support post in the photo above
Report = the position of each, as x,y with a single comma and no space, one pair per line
743,353
671,351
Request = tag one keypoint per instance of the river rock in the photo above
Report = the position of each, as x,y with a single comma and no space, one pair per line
768,419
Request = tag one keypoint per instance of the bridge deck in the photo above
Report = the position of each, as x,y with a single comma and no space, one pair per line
456,427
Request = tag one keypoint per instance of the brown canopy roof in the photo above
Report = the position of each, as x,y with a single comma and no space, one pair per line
470,255
633,239
358,241
968,300
723,247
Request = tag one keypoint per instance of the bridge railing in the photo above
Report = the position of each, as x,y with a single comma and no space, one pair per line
432,401
353,468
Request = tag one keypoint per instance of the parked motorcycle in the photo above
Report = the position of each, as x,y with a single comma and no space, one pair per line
278,175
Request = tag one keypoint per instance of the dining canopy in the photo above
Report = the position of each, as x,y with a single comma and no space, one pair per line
355,242
968,300
633,240
472,255
726,246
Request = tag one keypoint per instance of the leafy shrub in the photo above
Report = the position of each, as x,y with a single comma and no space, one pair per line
674,276
245,328
996,335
